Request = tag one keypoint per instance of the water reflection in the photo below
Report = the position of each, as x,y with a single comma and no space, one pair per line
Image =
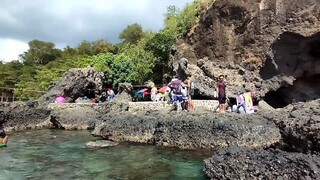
55,154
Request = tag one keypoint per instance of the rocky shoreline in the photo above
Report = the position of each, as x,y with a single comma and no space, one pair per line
271,47
248,143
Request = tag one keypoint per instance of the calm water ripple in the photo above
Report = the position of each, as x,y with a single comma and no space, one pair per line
55,154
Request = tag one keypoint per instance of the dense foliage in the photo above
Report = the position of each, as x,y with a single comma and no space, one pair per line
140,57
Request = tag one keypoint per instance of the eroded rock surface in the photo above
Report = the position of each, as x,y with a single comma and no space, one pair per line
77,82
236,163
189,130
299,126
74,118
23,115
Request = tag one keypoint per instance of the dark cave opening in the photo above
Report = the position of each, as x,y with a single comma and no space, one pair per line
268,70
303,89
314,49
90,91
293,56
275,99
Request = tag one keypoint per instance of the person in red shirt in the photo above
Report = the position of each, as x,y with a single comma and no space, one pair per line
221,91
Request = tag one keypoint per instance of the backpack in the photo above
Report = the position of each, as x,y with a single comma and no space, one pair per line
176,86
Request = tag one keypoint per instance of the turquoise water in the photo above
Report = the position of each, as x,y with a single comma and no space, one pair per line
56,154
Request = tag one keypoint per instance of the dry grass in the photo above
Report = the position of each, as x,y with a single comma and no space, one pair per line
251,62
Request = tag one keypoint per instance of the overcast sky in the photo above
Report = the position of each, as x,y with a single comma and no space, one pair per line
68,22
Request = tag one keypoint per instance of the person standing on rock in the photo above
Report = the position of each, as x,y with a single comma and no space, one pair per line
154,92
187,82
175,87
221,92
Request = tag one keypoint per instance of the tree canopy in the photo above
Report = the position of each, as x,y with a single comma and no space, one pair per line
140,57
132,33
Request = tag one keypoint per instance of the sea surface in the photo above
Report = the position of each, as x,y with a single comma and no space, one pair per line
58,154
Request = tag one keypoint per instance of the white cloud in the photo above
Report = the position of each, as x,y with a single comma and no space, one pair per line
68,22
10,49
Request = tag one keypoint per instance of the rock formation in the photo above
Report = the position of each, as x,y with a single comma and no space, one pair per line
198,130
74,118
236,163
23,115
299,126
75,83
271,46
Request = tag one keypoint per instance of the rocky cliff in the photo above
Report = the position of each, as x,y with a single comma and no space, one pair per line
77,82
271,46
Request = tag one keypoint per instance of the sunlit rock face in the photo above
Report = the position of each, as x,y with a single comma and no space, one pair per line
77,82
271,46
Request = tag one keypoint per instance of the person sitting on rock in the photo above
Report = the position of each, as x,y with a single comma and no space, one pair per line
111,94
241,103
3,138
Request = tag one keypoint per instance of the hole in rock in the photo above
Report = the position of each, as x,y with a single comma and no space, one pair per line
275,99
90,91
314,49
303,89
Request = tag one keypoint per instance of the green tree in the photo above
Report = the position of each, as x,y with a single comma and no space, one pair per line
68,51
171,21
40,52
179,22
85,48
143,61
9,73
160,45
132,33
101,46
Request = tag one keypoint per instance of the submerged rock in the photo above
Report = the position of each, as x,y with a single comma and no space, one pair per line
236,163
100,143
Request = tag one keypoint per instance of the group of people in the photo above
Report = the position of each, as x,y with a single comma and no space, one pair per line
180,92
222,98
105,96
